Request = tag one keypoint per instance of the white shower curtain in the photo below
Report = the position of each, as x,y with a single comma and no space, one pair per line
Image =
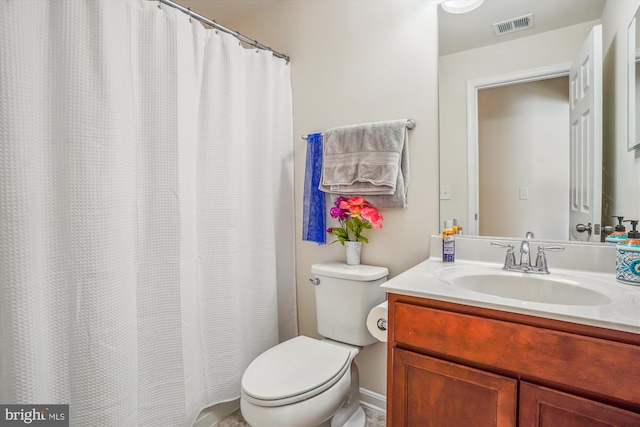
146,219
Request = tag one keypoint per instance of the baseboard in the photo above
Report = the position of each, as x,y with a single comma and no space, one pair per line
372,400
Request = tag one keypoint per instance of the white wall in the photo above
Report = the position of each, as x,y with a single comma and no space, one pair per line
550,48
636,101
621,169
354,62
524,143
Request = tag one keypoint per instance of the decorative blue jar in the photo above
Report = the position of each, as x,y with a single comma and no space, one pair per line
628,258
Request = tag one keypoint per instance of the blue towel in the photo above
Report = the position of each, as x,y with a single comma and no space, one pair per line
313,212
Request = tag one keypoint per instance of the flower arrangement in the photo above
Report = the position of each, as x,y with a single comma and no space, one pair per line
355,215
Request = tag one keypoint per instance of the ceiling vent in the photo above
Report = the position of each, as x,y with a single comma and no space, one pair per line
513,25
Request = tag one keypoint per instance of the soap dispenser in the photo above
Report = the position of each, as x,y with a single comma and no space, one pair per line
619,234
628,257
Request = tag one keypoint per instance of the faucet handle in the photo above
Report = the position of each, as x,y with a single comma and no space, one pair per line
550,248
541,259
503,245
510,259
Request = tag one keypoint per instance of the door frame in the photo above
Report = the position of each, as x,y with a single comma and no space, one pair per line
473,86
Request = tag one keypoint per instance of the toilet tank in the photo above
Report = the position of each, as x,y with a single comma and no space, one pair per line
344,296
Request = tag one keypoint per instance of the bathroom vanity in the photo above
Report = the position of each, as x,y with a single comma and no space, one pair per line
461,357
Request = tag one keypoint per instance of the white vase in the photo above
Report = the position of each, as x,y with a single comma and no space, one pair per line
352,250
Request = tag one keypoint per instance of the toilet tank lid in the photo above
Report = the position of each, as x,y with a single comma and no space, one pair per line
341,270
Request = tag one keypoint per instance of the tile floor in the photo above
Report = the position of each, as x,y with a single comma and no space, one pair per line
374,419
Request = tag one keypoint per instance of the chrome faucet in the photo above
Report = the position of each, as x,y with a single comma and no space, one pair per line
525,266
525,255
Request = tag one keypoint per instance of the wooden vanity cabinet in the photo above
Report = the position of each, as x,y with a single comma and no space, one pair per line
544,407
452,365
436,393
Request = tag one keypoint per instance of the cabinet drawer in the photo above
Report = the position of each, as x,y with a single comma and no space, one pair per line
592,365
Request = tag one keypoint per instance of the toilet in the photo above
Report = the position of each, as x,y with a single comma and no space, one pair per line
306,382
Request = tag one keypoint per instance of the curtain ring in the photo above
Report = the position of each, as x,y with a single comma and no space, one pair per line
159,5
189,9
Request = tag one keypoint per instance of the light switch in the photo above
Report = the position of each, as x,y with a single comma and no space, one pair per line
524,193
445,192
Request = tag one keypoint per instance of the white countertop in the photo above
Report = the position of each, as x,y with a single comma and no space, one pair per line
621,313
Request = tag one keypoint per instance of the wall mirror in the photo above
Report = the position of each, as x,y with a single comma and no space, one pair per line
634,83
512,61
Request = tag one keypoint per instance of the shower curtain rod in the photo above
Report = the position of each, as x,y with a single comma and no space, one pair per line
411,124
217,26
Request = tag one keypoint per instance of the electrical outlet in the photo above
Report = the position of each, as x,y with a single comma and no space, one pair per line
445,192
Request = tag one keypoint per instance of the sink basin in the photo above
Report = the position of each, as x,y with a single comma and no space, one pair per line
526,287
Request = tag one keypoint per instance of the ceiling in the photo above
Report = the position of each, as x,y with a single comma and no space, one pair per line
459,32
226,12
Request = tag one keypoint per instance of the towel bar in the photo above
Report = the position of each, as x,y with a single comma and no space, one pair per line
411,124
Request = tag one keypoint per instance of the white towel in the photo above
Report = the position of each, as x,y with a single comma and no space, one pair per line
368,159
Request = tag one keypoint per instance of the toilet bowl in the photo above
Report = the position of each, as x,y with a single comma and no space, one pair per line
302,382
306,382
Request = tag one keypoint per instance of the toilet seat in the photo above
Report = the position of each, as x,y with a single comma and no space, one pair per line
294,370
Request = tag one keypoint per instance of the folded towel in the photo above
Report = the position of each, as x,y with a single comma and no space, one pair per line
313,211
370,160
399,199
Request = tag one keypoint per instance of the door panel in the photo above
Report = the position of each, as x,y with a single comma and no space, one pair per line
436,393
543,407
585,106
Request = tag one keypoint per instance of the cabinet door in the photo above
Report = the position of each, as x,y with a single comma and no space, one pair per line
428,392
544,407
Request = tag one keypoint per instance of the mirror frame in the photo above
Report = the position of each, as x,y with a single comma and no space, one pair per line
633,58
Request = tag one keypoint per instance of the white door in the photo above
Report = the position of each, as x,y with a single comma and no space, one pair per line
585,106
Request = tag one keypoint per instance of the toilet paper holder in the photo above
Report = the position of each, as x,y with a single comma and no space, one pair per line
377,322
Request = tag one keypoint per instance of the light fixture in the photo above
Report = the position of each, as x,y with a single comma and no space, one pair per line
460,6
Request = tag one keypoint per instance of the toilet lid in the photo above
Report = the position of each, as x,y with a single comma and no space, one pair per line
294,370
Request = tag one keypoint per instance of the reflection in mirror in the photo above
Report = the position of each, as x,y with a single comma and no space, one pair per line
633,82
534,115
529,157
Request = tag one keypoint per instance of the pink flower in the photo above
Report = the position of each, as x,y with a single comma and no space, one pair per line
354,205
373,216
355,216
356,201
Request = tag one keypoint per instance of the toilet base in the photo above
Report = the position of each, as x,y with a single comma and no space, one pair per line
358,419
351,413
